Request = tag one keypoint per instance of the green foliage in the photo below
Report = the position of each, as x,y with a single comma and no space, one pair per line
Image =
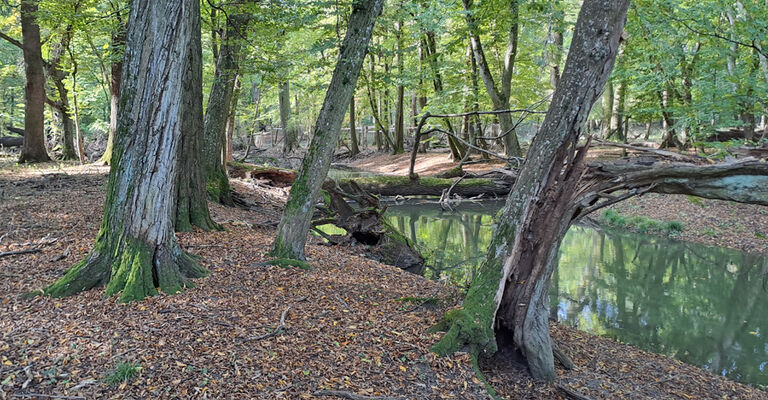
123,372
640,223
289,262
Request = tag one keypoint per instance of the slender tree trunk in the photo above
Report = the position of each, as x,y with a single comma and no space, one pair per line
232,119
294,226
136,251
116,74
555,43
354,148
290,136
499,96
34,111
608,101
78,132
217,110
399,105
507,302
63,110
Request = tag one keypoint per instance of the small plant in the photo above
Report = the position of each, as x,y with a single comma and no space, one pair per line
760,235
641,224
124,372
673,227
710,232
696,201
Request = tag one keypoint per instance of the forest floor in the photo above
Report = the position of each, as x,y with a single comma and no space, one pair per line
713,222
350,324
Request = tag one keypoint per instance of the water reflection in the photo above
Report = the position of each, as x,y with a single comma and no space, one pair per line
700,304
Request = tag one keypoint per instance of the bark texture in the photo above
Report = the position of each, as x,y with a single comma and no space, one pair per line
217,111
295,223
136,251
508,299
34,138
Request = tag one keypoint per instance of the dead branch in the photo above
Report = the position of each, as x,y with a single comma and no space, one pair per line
352,396
572,393
83,384
48,396
662,153
18,252
277,331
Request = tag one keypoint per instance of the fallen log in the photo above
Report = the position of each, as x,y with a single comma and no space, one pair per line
10,141
17,131
403,186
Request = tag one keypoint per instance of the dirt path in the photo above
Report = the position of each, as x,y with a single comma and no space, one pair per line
348,324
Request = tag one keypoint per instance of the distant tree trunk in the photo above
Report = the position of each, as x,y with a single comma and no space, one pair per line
34,111
354,148
116,74
63,109
290,136
136,251
499,96
608,100
295,223
399,105
217,110
78,132
555,43
507,302
232,119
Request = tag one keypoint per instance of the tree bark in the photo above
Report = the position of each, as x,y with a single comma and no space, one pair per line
232,119
399,103
290,136
508,300
116,73
34,111
136,251
499,96
354,148
217,110
294,226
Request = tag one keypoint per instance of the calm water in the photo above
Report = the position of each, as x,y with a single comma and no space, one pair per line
700,304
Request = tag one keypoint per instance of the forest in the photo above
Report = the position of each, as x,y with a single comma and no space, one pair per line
383,199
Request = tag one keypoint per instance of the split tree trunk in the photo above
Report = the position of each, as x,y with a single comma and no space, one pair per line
508,301
34,111
290,135
217,110
295,223
136,251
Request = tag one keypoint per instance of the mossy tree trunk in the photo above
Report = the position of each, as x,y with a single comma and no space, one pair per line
507,302
290,135
34,110
297,217
136,251
219,103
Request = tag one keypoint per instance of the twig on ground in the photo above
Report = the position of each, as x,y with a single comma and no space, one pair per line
352,396
48,396
344,303
18,252
278,330
28,372
571,392
83,384
61,256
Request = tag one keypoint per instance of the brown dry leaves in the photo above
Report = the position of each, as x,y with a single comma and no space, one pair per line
344,330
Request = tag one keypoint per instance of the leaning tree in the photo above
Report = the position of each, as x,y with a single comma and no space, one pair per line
507,303
297,217
136,251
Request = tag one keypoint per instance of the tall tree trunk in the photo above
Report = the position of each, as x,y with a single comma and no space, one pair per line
116,74
608,100
290,136
63,110
499,96
217,110
507,302
232,119
354,148
136,250
192,203
34,111
399,105
555,42
294,225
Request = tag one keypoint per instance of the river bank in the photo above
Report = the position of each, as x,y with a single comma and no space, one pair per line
351,324
713,222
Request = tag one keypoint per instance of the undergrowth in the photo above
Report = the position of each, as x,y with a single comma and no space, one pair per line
641,224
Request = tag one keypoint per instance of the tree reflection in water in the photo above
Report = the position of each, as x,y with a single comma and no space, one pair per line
700,304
